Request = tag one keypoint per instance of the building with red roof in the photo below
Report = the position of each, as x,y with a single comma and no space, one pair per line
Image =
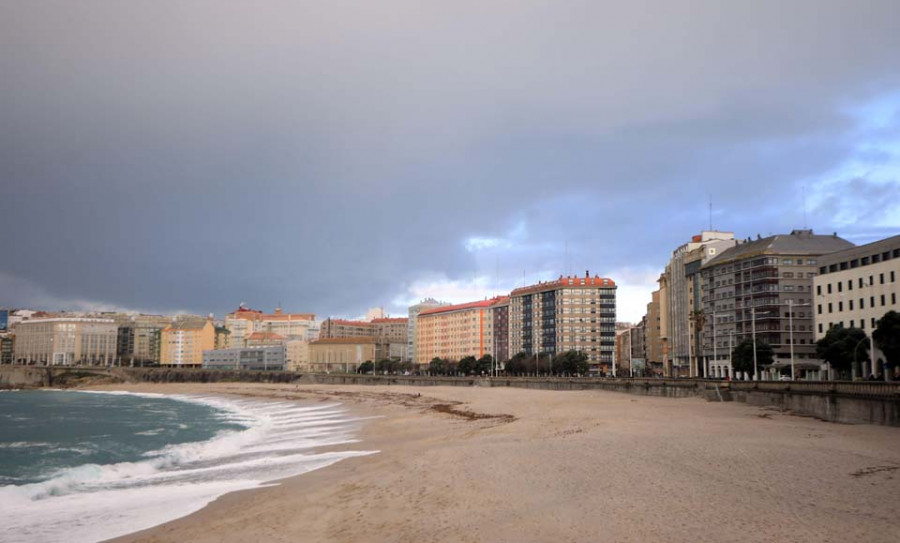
453,332
567,314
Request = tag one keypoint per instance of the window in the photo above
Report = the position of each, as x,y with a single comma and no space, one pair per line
829,307
881,278
849,284
871,301
840,306
851,305
882,300
829,288
819,290
840,286
820,309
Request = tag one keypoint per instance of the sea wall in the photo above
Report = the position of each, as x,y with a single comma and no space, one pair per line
835,401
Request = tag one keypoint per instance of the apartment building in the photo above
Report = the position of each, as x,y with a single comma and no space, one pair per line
414,310
855,287
139,337
454,332
655,323
183,342
340,328
683,292
244,322
765,286
568,314
500,319
65,341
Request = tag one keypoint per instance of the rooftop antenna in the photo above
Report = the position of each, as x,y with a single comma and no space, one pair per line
709,196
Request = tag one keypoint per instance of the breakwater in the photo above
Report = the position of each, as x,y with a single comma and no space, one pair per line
834,401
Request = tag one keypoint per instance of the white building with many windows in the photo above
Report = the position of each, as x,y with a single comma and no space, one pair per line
66,341
856,287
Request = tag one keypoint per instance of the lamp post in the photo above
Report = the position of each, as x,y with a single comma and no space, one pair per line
791,307
874,365
753,327
858,343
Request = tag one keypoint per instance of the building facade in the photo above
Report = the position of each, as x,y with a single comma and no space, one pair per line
261,358
244,322
500,318
139,338
341,328
855,288
683,298
454,332
654,340
568,314
764,288
66,341
183,342
414,310
341,354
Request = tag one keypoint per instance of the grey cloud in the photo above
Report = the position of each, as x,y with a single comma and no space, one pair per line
195,154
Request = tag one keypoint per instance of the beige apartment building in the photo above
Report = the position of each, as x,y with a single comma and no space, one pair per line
568,314
342,354
341,328
856,287
244,322
183,342
66,341
454,332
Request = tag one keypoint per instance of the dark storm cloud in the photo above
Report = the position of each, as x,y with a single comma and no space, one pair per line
192,155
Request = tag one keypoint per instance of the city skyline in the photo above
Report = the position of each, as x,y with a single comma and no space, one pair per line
331,160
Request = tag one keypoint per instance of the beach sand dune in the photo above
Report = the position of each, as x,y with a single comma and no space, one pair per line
513,465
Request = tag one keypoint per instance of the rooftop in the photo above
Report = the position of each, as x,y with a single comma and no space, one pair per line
567,282
344,341
461,307
798,242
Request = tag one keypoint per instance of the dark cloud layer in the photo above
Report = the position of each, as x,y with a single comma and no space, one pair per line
192,155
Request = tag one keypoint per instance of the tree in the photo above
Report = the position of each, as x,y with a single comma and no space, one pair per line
437,366
571,363
467,365
842,346
485,364
516,364
365,367
887,337
742,356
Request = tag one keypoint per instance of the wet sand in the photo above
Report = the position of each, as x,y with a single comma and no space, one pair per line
514,465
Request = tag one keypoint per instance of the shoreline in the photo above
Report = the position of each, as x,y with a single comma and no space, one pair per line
475,464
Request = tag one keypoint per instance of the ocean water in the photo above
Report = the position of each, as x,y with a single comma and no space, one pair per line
88,466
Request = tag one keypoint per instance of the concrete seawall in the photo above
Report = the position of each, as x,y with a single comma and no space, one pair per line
834,401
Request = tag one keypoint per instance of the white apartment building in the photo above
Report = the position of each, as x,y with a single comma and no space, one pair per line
67,341
856,287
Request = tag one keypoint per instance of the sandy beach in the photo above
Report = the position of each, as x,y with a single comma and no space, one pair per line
498,465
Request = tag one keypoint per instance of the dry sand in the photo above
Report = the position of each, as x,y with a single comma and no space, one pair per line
496,465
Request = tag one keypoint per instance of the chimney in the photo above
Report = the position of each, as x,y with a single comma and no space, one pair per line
587,273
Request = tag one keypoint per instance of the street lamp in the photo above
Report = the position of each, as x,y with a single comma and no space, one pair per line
753,325
791,306
874,365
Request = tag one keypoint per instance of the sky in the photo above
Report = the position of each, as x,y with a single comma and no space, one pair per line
187,156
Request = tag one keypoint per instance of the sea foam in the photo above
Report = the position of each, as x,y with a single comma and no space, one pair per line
94,502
